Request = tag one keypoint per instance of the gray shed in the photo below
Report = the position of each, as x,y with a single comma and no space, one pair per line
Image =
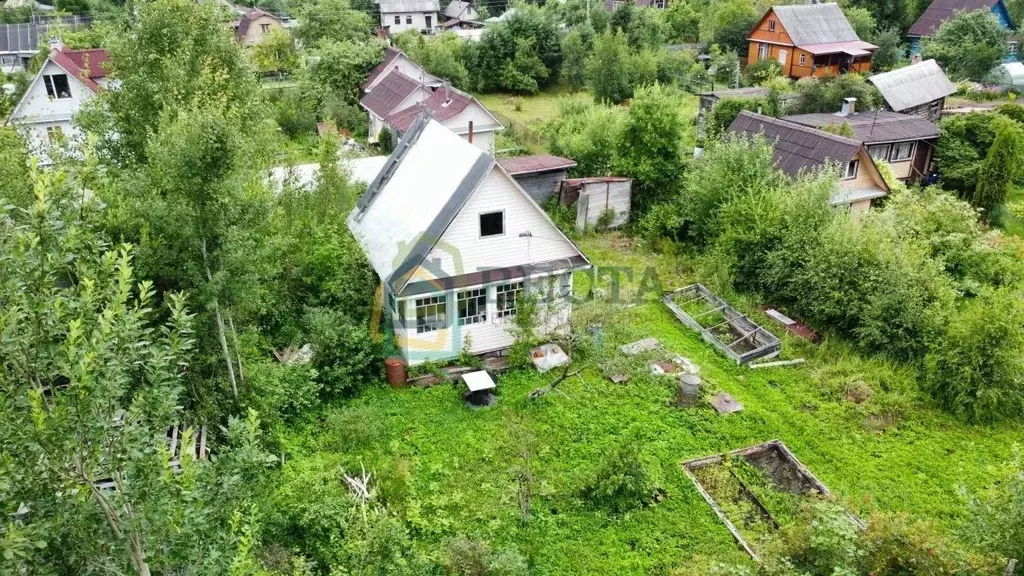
596,196
919,89
539,175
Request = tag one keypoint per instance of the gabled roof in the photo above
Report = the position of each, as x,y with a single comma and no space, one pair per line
941,10
443,105
874,127
459,9
88,66
248,17
518,165
913,85
385,64
389,93
403,6
815,23
796,148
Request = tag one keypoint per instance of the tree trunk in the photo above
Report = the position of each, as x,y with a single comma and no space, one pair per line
238,349
220,327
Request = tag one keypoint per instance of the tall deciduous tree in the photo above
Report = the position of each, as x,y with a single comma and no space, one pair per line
575,51
333,20
968,45
276,53
608,72
649,150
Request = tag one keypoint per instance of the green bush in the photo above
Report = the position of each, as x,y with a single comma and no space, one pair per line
345,356
463,556
621,483
293,114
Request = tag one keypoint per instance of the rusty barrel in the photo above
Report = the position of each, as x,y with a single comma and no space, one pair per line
397,374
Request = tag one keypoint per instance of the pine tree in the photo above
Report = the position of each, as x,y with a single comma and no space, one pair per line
999,169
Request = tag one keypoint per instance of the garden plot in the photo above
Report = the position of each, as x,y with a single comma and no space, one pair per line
755,490
729,330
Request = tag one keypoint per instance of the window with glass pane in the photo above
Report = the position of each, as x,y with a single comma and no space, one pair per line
506,297
851,170
472,306
902,151
431,314
879,152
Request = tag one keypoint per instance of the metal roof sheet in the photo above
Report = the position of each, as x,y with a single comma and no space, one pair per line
443,104
913,85
941,10
874,127
403,6
389,93
517,165
815,23
796,148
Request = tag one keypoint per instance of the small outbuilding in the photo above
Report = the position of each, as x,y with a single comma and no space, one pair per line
919,89
1009,76
600,202
540,174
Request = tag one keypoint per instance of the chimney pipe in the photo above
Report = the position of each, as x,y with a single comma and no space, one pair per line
470,132
849,106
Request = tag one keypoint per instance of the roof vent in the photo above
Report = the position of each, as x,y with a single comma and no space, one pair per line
849,107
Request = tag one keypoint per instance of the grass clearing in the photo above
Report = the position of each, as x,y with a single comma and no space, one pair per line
461,465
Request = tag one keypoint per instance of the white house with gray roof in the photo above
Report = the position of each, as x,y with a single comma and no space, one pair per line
401,15
457,244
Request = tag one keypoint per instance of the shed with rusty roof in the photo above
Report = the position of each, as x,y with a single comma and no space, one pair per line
539,174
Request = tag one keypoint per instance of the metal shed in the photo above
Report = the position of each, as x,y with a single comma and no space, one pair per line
540,175
594,197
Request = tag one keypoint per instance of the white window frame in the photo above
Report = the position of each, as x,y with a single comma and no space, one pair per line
51,87
762,51
480,223
431,313
803,59
884,156
910,146
502,299
471,306
855,164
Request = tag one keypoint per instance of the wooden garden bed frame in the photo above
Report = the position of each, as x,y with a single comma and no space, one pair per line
762,343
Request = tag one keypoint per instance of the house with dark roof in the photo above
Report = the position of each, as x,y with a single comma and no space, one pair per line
254,25
797,149
401,15
940,11
455,110
457,244
65,82
904,141
395,59
395,92
919,89
809,40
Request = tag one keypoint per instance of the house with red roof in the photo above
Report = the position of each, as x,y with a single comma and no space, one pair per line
254,25
396,91
66,81
456,111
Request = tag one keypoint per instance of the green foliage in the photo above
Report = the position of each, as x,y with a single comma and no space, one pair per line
339,68
525,71
276,53
575,50
762,71
727,24
465,557
443,55
1000,168
826,94
345,357
725,111
975,368
621,482
649,149
15,177
608,70
997,514
292,113
890,49
965,146
968,45
586,132
683,22
332,21
521,54
344,115
862,21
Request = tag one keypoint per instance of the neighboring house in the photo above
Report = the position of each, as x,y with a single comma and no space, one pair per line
468,29
906,142
20,42
461,10
456,111
920,89
941,10
401,15
457,244
539,175
798,149
254,26
501,17
613,5
395,92
66,81
395,59
809,40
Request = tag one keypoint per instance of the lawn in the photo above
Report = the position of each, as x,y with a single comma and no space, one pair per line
1014,224
461,465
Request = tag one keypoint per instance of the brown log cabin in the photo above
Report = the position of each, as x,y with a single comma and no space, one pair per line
809,40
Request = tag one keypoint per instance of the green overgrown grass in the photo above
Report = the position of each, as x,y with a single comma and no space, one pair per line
456,468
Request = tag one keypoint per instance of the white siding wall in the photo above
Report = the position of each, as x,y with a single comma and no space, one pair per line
419,21
484,126
461,250
37,111
405,66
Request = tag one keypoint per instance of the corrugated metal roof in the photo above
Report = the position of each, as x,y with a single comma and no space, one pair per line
874,127
941,10
442,105
385,64
851,47
404,6
796,148
389,93
517,165
913,85
738,93
815,23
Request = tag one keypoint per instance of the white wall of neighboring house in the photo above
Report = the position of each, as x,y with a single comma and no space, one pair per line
484,126
37,113
409,21
407,67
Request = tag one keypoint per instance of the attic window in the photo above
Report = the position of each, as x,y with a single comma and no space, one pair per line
264,28
851,170
771,25
57,86
492,224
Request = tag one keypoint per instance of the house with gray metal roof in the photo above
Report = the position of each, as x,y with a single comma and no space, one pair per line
904,141
809,40
798,149
920,89
458,244
401,15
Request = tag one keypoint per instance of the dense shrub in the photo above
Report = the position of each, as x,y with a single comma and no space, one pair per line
826,94
621,482
345,356
997,515
466,557
292,113
586,132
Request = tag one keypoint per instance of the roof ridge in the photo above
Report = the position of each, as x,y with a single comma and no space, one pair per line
800,127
